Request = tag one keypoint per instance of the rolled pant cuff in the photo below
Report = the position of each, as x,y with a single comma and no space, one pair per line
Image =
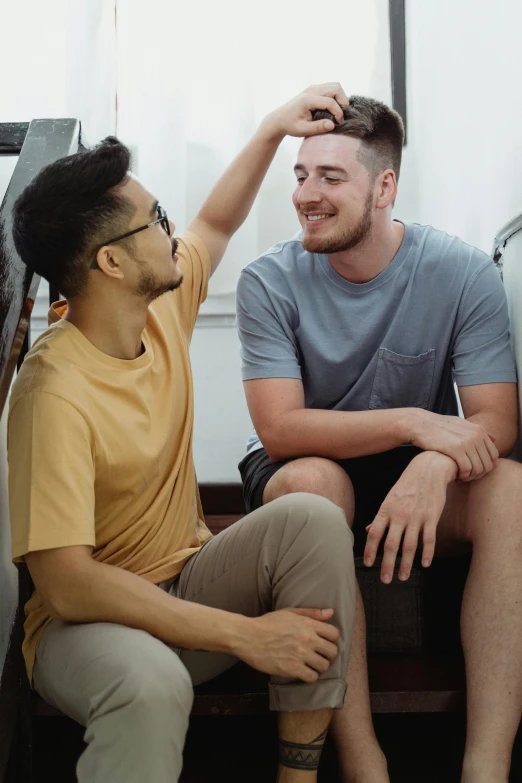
306,697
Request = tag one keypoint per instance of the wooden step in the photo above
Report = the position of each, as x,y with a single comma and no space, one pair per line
397,684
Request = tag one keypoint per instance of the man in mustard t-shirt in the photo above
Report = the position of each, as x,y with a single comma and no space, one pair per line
135,601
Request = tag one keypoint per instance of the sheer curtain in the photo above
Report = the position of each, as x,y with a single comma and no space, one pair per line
195,79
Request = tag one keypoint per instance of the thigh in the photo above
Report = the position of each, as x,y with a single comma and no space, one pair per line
453,529
372,477
77,665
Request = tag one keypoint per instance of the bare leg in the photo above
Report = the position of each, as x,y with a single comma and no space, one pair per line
361,760
488,513
301,740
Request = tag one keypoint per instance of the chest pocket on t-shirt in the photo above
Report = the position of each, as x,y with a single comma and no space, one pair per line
402,381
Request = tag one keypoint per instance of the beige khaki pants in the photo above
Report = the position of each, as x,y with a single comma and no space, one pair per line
134,694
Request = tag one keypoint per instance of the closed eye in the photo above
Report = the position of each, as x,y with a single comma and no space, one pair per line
332,180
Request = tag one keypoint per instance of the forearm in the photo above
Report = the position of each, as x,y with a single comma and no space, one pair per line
500,426
337,434
105,593
231,199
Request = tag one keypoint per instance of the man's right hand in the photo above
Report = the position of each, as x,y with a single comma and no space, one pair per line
469,444
295,643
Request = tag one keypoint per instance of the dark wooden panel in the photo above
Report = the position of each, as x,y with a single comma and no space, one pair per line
397,684
222,498
12,137
398,59
45,142
9,701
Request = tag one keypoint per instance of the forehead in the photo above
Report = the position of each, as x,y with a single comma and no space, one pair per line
330,150
138,194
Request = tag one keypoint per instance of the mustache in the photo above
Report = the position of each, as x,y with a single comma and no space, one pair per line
175,245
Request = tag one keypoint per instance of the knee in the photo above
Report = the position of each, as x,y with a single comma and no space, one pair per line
316,476
495,504
313,517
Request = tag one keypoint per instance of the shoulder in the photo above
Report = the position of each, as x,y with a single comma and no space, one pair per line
441,244
49,367
286,259
438,248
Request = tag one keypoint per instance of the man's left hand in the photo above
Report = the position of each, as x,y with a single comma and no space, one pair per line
413,506
295,117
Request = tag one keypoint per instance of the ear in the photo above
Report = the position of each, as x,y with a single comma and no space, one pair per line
109,262
386,186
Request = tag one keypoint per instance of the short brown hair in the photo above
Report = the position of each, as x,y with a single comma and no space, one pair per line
379,128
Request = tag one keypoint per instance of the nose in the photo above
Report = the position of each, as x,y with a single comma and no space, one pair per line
308,193
172,228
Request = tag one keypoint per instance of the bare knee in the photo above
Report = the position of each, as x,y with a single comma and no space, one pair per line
494,504
316,476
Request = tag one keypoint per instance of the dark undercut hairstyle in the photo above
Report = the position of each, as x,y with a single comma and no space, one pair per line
379,128
69,210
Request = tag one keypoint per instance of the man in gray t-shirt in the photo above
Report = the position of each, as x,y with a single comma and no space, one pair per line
353,336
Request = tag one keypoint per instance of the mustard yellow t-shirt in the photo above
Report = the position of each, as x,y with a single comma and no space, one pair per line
100,449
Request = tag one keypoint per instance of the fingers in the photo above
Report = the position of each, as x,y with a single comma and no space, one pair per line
429,537
334,90
327,631
327,649
316,127
409,547
315,614
327,104
464,465
391,547
490,445
317,662
304,673
375,533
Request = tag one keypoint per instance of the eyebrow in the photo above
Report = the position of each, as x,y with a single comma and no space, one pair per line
154,209
322,169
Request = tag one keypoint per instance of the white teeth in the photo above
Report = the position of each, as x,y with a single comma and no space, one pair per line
317,217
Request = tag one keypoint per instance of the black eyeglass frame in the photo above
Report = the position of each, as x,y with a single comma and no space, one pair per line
163,219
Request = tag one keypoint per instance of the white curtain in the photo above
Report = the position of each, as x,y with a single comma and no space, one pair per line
195,79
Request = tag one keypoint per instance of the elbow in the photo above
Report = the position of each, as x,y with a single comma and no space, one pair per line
276,447
61,607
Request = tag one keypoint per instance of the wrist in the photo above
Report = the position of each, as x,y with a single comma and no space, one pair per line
441,462
270,131
408,424
237,635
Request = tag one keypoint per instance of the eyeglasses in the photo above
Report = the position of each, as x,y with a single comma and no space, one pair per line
162,218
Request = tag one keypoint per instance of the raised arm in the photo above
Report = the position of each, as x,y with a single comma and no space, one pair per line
230,201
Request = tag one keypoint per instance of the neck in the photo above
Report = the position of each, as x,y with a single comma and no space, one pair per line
112,325
370,257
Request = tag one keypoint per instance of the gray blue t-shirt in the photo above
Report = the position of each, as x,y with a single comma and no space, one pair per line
436,314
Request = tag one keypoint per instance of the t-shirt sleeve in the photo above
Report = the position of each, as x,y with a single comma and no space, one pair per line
194,264
51,475
268,344
483,352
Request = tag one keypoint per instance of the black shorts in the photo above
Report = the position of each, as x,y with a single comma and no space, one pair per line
372,478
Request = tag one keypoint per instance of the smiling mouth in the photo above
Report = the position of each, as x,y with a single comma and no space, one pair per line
316,218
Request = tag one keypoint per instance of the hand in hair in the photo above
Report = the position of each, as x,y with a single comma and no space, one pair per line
295,117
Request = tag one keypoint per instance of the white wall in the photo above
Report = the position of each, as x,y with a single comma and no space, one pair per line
463,163
462,169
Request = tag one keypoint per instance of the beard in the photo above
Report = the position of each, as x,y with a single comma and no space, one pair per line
150,287
344,239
